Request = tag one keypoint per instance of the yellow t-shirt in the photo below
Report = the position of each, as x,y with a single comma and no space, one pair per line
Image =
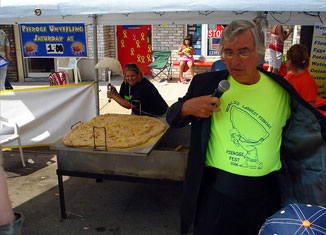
246,134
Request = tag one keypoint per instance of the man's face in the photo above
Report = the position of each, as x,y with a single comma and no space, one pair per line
241,58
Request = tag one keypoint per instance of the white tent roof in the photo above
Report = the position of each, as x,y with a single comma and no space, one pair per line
112,12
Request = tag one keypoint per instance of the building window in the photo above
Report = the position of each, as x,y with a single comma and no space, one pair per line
206,38
195,31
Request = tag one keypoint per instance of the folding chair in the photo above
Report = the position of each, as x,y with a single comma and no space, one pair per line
9,132
161,62
66,64
58,78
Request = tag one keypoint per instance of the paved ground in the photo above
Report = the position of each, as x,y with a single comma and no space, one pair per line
108,207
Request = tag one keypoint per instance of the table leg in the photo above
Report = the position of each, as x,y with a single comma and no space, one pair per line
183,227
61,195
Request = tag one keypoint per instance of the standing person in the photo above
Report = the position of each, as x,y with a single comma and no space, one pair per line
6,215
186,52
138,94
4,54
297,61
237,142
278,36
10,222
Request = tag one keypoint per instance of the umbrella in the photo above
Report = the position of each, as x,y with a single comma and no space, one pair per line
296,218
110,64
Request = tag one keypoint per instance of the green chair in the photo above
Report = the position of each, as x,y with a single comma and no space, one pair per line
161,62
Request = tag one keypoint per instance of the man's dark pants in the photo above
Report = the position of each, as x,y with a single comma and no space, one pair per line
232,205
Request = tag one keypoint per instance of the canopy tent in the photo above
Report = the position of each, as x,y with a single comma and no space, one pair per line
112,12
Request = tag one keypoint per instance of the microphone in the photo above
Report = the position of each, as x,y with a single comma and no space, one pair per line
223,86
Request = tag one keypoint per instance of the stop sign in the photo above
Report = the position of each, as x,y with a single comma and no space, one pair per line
215,33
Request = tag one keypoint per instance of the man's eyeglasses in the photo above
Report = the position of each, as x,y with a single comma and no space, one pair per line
242,53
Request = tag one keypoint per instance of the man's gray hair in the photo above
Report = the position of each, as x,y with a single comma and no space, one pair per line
236,27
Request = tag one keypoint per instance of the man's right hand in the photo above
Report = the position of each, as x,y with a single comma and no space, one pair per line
202,106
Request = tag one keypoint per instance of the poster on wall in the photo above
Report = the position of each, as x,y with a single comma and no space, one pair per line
53,40
135,46
317,64
194,30
214,37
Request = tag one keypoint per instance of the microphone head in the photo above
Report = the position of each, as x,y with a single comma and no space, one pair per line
224,85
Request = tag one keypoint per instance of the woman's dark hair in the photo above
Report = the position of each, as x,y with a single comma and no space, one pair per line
298,54
187,38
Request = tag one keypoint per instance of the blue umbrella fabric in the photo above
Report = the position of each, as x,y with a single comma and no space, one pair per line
303,219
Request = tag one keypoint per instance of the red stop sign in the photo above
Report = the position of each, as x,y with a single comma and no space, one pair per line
215,33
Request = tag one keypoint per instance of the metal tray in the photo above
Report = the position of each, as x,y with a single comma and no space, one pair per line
144,149
141,150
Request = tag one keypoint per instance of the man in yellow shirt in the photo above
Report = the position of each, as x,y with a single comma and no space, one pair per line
237,140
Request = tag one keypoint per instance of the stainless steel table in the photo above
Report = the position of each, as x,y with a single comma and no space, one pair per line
163,161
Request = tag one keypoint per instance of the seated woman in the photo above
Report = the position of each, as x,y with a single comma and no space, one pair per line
297,61
186,52
138,94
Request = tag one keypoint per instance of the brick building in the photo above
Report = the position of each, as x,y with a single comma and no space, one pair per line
12,73
164,37
169,38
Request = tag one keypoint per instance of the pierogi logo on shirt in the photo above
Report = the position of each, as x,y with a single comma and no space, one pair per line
249,129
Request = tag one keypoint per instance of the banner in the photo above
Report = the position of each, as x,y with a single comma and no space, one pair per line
53,40
44,115
317,64
214,37
135,46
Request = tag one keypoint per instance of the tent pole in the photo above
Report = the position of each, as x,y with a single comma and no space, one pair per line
95,62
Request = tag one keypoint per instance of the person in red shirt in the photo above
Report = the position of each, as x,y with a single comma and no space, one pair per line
297,61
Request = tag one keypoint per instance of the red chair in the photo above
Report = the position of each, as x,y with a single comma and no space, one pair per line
58,78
